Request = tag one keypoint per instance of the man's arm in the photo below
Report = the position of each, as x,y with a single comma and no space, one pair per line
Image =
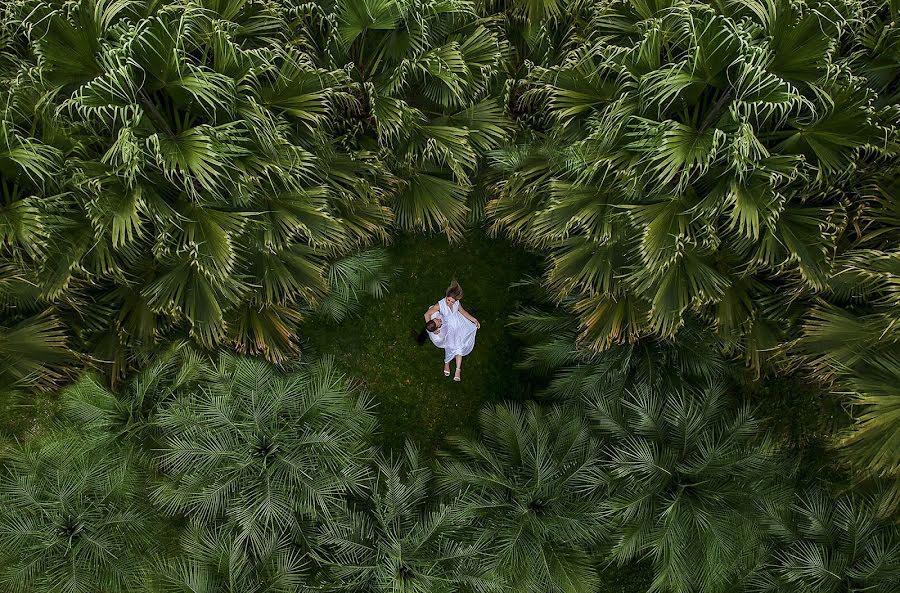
431,311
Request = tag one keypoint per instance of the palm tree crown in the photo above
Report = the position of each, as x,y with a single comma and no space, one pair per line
689,477
400,540
698,164
262,451
534,486
71,521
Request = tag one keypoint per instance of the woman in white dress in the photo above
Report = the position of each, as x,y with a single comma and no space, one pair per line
454,328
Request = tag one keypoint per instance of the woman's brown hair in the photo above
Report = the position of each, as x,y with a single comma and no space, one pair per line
455,290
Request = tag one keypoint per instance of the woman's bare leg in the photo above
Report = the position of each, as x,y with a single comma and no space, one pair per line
447,369
458,366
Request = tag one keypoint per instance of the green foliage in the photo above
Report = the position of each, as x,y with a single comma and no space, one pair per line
697,164
128,414
355,280
171,178
246,460
723,165
214,558
421,75
693,357
689,476
832,545
259,481
402,541
533,485
191,168
688,473
262,450
71,521
855,345
709,182
33,353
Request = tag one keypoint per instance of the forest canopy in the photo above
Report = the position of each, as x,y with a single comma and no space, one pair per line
191,190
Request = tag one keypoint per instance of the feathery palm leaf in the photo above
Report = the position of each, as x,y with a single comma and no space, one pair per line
828,545
70,520
364,275
534,485
262,450
688,477
404,542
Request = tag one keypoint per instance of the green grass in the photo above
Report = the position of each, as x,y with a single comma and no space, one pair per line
24,416
414,399
633,577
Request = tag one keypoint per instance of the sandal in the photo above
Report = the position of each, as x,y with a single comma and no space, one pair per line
446,370
456,376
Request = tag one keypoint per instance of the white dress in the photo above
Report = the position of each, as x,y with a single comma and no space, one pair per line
457,334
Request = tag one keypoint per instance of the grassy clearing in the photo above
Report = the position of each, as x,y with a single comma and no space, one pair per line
377,348
414,398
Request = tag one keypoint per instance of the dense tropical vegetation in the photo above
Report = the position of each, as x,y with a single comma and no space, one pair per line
206,207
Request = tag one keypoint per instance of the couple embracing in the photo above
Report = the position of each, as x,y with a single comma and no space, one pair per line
451,327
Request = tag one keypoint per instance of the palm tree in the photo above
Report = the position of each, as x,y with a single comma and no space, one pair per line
533,486
402,539
422,76
71,519
33,344
261,452
851,341
693,357
697,166
126,416
213,559
246,460
191,168
689,477
180,172
831,546
538,32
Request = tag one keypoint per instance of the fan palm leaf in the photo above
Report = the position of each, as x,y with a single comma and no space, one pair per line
860,355
422,72
34,352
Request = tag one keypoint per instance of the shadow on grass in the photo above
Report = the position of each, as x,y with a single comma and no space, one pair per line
414,399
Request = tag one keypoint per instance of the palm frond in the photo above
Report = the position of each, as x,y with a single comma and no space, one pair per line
532,484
